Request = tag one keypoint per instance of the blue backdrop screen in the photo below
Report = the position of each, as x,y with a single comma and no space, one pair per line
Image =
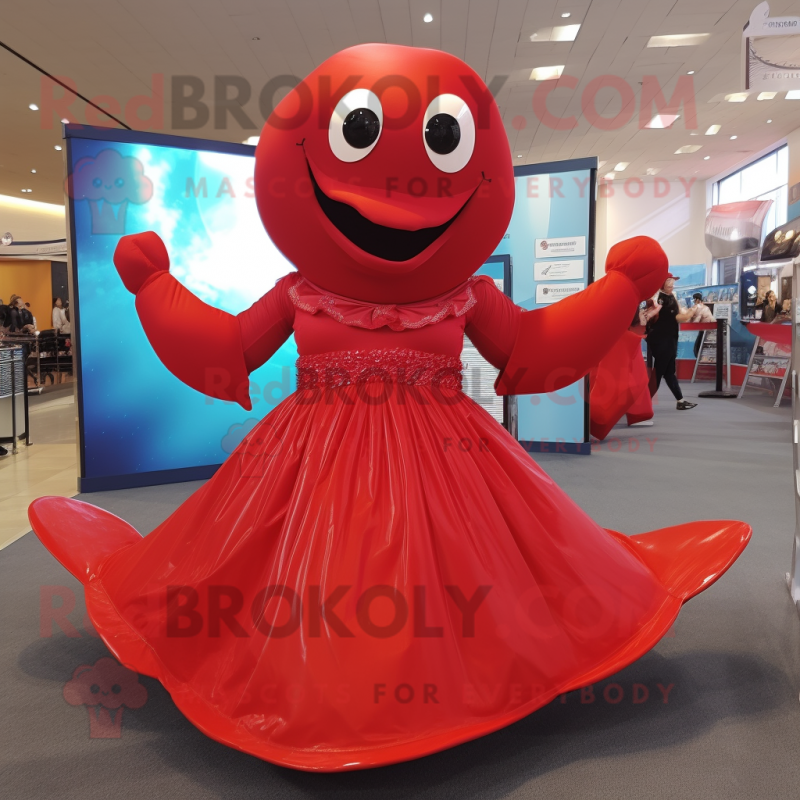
136,416
549,240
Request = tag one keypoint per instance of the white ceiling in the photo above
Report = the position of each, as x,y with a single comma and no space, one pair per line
112,47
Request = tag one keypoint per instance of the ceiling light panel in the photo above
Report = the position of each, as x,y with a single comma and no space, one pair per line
559,33
662,121
687,148
678,40
713,129
546,73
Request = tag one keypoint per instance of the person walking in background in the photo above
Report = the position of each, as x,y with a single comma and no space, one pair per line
59,315
662,340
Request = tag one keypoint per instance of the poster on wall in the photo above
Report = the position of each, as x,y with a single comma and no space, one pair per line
551,242
138,423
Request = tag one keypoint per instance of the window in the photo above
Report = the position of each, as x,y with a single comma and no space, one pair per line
765,179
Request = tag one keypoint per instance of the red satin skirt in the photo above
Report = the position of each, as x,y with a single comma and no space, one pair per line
378,572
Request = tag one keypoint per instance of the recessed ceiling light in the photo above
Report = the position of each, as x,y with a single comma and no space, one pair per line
566,14
609,176
713,129
65,121
622,165
793,95
690,72
253,140
768,121
736,97
733,137
256,38
678,40
428,18
662,120
546,73
33,107
26,191
33,171
519,156
652,171
705,158
57,147
766,95
688,148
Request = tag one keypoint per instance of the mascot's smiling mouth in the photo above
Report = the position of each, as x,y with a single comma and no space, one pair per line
382,241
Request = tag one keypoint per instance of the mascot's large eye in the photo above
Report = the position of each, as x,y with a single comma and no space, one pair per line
355,125
449,133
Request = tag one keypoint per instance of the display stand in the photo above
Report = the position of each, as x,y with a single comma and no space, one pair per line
756,368
13,397
708,349
721,337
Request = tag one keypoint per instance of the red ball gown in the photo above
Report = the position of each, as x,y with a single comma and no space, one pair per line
379,571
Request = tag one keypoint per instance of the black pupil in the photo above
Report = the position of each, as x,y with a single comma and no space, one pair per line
442,133
361,128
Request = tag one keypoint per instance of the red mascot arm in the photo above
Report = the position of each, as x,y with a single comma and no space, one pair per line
549,348
173,318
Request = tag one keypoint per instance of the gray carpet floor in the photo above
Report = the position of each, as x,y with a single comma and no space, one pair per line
730,727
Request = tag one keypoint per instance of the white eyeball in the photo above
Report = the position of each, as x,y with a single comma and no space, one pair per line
448,130
356,125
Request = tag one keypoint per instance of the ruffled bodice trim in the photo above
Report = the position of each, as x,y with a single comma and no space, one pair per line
311,299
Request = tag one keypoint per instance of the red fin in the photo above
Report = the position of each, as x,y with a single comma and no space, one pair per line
688,558
81,536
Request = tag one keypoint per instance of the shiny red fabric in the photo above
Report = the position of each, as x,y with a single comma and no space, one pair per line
619,384
379,571
429,582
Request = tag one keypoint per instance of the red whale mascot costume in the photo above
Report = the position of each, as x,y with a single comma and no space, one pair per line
356,586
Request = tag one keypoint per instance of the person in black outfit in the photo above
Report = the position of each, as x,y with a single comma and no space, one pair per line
21,318
662,341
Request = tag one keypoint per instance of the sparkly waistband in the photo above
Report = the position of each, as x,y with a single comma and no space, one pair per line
413,367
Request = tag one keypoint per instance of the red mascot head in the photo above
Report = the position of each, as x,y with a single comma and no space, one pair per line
386,174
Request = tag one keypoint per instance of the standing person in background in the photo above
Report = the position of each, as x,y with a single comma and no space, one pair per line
662,340
59,316
770,309
21,318
700,313
28,308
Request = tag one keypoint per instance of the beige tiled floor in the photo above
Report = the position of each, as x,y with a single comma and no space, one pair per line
49,466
